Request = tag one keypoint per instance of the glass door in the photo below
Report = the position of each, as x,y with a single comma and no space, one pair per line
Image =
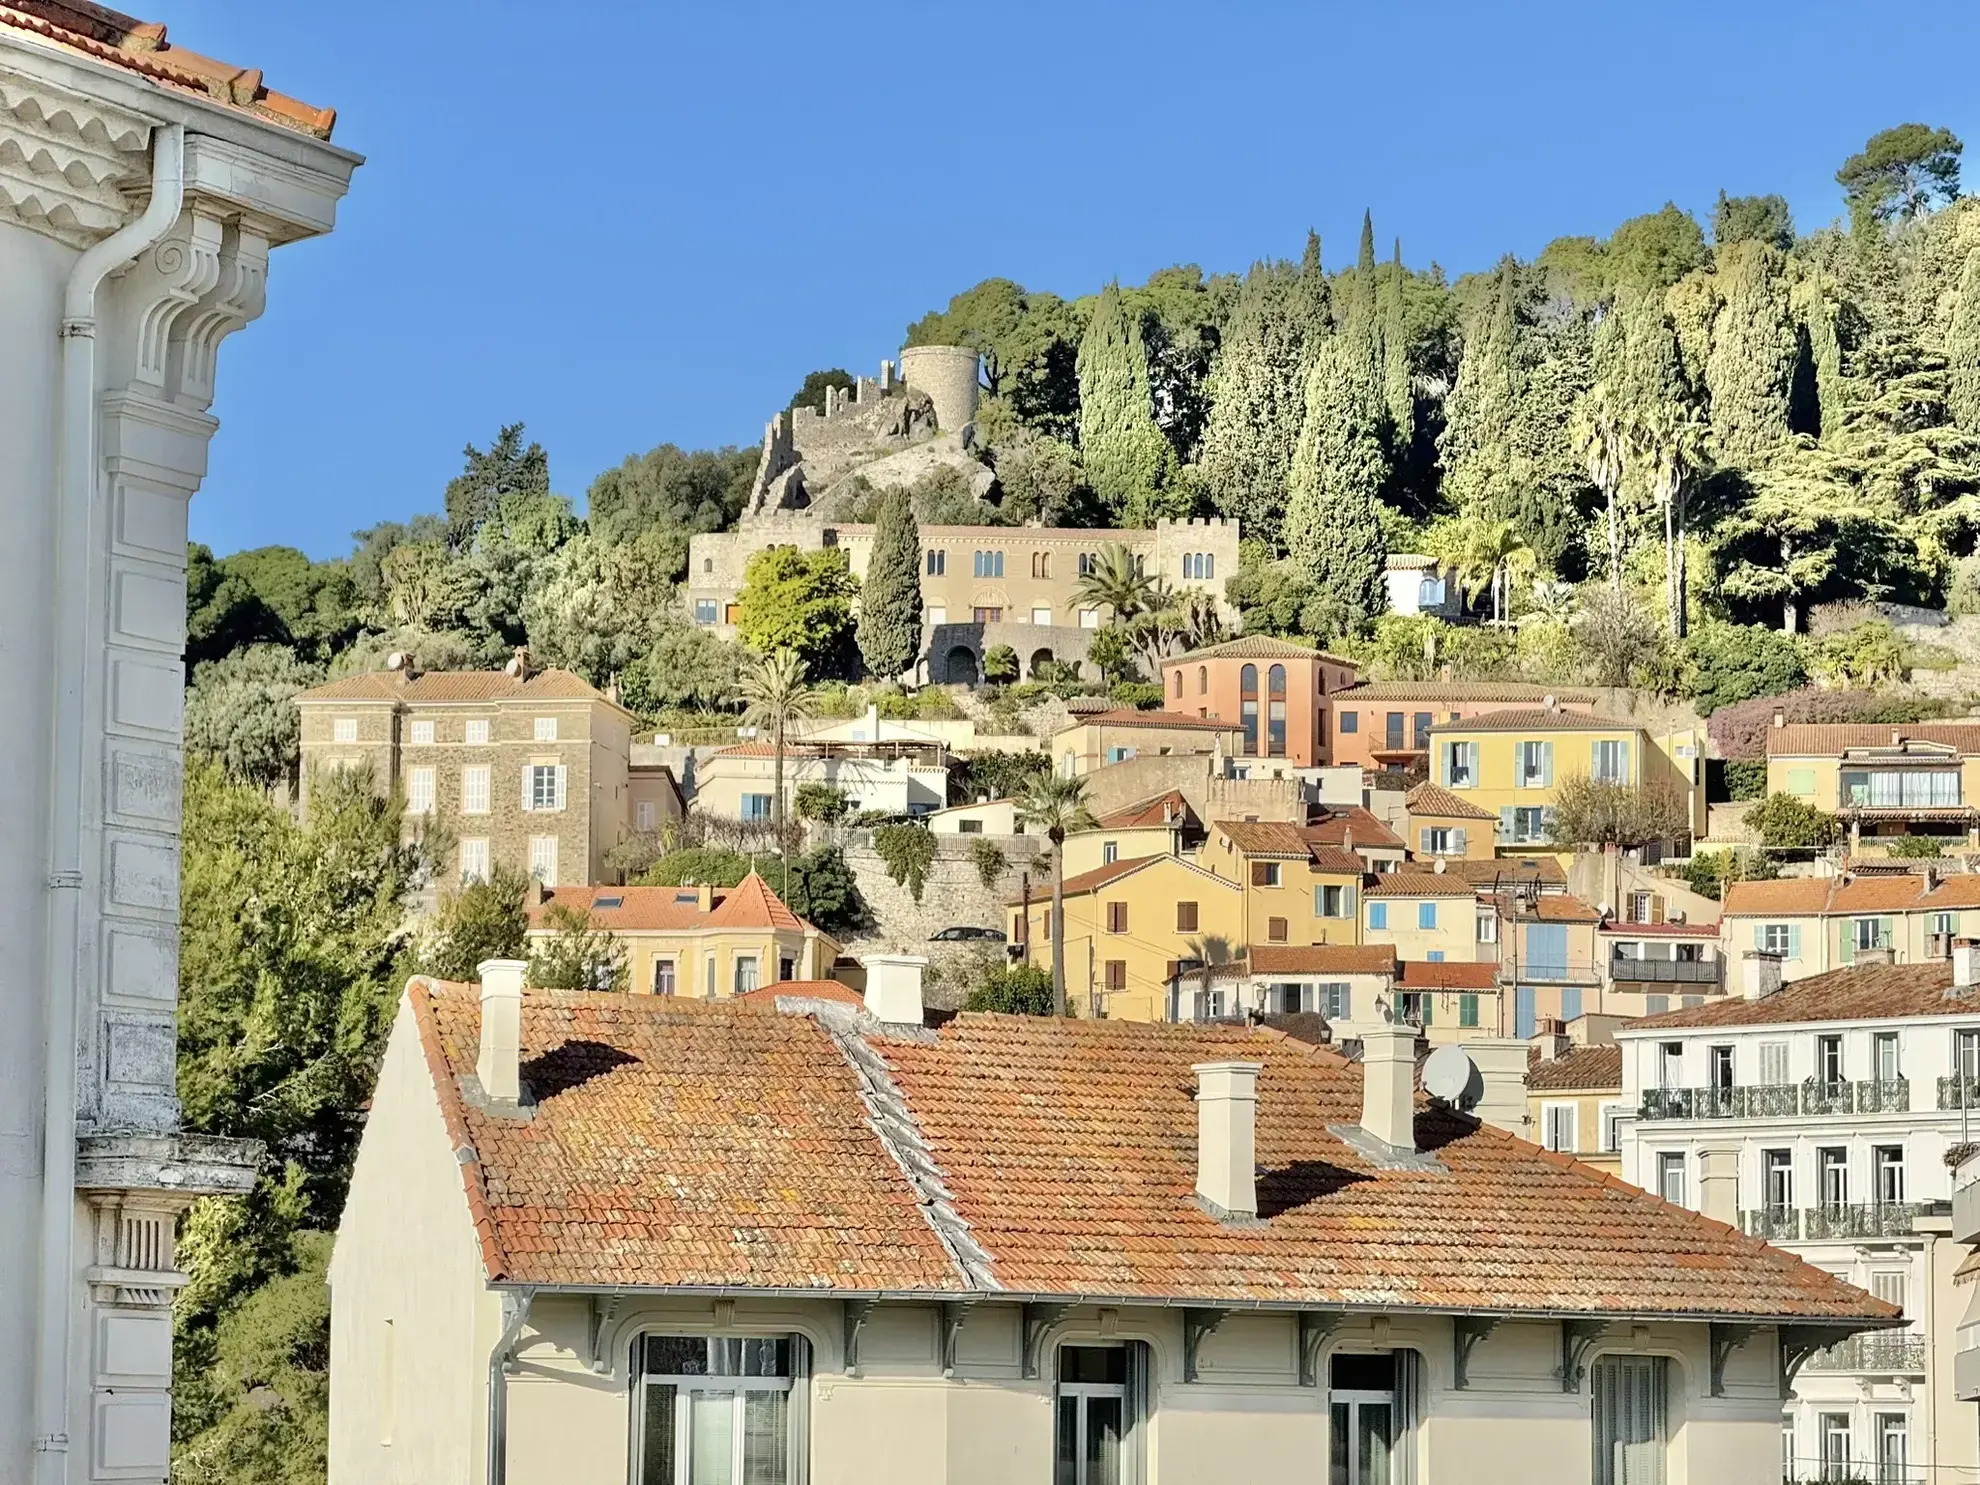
713,1411
1361,1415
1091,1426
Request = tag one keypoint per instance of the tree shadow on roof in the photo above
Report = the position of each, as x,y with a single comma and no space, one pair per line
571,1065
1297,1183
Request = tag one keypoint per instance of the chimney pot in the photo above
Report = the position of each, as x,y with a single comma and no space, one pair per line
1227,1136
1501,1062
1966,963
1780,716
1388,1084
893,988
501,1029
1760,975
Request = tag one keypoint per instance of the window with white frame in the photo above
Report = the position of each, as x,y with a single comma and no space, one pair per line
716,1410
1560,1127
1332,902
1776,938
1670,1177
474,732
1609,762
1777,1179
745,978
1095,1412
1535,764
422,734
543,859
343,730
544,729
474,789
1488,928
1443,840
474,859
1612,1117
419,791
1460,765
1627,1394
1893,1449
543,786
1834,1431
1887,1163
756,806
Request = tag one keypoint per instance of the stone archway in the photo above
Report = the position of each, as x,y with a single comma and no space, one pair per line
960,668
1038,658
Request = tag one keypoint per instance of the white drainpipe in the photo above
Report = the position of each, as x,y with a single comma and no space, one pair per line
75,531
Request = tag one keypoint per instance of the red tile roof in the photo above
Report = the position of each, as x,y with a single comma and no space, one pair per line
1661,930
1322,959
1279,838
140,47
1790,895
1830,739
1508,871
832,990
1180,721
1590,1069
1554,907
416,687
1257,647
1150,811
753,905
1418,884
1893,893
1867,992
1438,802
749,904
1460,691
1335,827
1537,719
1113,871
696,1145
1448,974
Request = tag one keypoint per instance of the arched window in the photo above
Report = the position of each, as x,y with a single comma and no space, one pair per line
1275,716
1177,691
1248,681
1202,680
1206,565
1275,680
1248,707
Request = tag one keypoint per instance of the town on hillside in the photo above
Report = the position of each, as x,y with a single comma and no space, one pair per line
1332,872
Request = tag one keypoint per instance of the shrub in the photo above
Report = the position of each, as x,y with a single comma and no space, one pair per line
1746,778
820,802
1708,872
483,920
990,863
697,866
994,775
1737,662
1868,654
1594,812
1786,823
820,888
579,955
1141,695
1000,665
1915,846
908,851
1013,990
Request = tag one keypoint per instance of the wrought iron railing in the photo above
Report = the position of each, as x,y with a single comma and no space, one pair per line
1827,1098
1770,1101
1666,971
1867,1219
1775,1224
1884,1096
1895,1351
1962,1092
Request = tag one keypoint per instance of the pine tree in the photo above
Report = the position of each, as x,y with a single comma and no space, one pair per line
1750,370
1332,530
1963,350
1258,391
890,598
1398,384
1128,461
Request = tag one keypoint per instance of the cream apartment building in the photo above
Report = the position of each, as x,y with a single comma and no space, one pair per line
626,1240
740,782
1815,924
524,769
1819,1116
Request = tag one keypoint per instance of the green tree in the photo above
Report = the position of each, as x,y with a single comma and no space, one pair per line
597,607
1485,554
493,477
1013,990
1752,219
1332,530
1029,343
1040,479
687,667
890,599
820,888
1750,372
674,492
777,695
484,919
1117,581
801,602
241,713
1736,662
1963,350
1786,823
821,802
1000,665
578,955
1597,812
1654,251
1900,173
1128,460
1600,437
988,859
1398,378
1058,804
811,392
1669,440
223,612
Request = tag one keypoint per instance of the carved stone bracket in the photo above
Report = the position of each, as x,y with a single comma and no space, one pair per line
1577,1336
1314,1328
858,1311
1798,1343
1466,1332
1198,1327
604,1310
1725,1339
954,1313
1038,1318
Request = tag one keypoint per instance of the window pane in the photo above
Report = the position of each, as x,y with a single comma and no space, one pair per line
656,1453
711,1438
1371,1445
1065,1455
765,1433
1337,1433
1103,1440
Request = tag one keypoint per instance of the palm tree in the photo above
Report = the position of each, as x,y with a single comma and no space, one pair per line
1485,552
1115,580
1059,804
774,686
1599,438
1671,441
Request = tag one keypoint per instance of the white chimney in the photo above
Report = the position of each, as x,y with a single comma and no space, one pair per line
1718,1185
893,987
1227,1136
1760,975
501,1029
1501,1063
1388,1084
1966,963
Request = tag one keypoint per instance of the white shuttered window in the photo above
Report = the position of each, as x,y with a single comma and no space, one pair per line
1628,1398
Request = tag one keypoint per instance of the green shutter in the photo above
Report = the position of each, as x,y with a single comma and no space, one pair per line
1759,938
1846,951
1794,940
1547,764
1467,1010
1887,932
1427,1002
1505,824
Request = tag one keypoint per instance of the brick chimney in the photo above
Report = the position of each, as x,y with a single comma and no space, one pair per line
1388,1084
1227,1137
501,1029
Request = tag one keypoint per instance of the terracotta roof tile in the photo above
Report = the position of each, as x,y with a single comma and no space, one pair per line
1335,827
1150,811
140,47
1585,1068
1559,907
1867,992
414,688
1322,959
1789,895
1830,739
1257,647
1289,842
1113,871
1437,801
753,905
1418,884
1460,691
1661,930
750,904
832,990
1449,974
1178,721
1537,719
1507,871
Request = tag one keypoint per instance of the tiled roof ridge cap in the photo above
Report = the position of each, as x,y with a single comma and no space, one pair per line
419,994
894,1124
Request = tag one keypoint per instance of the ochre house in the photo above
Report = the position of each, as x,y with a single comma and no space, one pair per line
1123,735
1815,924
1295,890
706,942
1574,1100
1385,725
625,1240
1918,778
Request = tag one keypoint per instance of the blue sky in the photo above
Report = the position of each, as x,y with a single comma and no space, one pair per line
627,224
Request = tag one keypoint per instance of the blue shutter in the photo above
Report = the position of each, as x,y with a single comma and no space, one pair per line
1547,764
1628,777
1505,824
1458,840
1523,1016
1759,938
1794,940
1570,1002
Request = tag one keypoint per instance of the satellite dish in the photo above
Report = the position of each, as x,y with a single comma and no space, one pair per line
1451,1077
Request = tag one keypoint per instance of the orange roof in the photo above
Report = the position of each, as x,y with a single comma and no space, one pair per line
1831,739
1113,871
1537,719
1790,895
1157,809
832,990
1559,907
1436,801
753,905
437,686
1509,871
140,47
1418,884
1460,691
1334,828
1448,974
1128,717
1896,893
1866,992
701,1145
1256,647
1592,1068
749,904
1279,838
1322,959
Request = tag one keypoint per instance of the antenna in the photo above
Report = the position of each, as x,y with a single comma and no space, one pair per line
1451,1077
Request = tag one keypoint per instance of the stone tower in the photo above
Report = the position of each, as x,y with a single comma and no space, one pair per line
948,374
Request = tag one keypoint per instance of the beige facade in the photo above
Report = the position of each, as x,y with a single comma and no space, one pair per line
739,783
1109,738
532,774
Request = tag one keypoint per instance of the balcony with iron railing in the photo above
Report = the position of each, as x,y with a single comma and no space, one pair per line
1861,1220
1962,1092
1665,971
1891,1352
1778,1100
1773,1224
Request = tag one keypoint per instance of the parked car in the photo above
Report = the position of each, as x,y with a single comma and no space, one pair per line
964,933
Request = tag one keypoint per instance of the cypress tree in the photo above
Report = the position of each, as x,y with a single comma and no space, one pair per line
1128,462
1398,386
1750,369
890,598
1332,531
1480,413
1963,350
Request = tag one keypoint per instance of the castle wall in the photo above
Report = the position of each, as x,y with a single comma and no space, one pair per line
949,374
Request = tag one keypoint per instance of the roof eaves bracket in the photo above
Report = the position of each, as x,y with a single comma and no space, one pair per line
1198,1326
954,1313
1577,1336
1038,1318
1314,1328
1725,1340
1799,1342
857,1312
604,1310
1466,1332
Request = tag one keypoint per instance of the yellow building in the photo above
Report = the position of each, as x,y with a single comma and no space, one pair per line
1130,929
1441,826
1922,778
1548,956
705,942
1164,825
1431,916
1574,1099
1815,924
1296,890
1510,765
